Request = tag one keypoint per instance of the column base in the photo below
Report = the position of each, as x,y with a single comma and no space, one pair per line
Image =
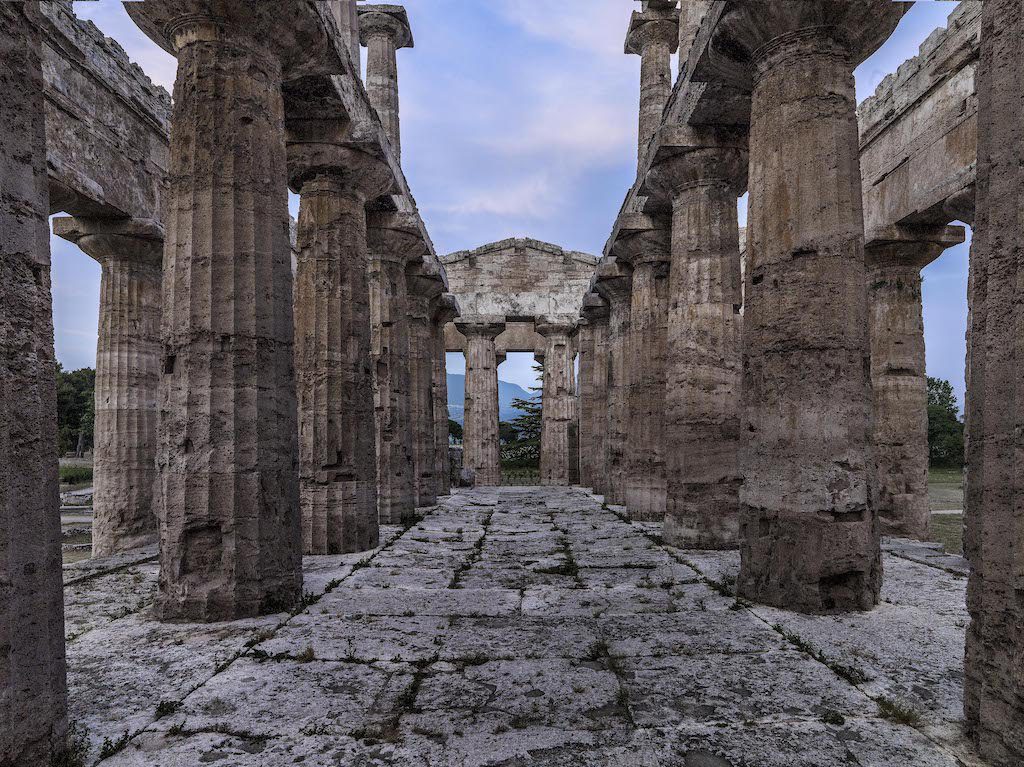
712,524
646,502
339,517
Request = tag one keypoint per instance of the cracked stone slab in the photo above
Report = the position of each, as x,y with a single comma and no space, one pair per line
574,603
688,632
98,601
373,601
89,568
518,638
361,639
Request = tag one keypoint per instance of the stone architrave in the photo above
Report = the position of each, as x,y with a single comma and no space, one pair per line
334,373
481,449
701,173
558,400
594,405
425,286
899,381
33,690
127,377
808,534
445,311
614,282
395,241
384,29
227,461
691,13
994,537
654,36
646,247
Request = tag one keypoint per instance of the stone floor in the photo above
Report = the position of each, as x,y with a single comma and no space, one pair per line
523,626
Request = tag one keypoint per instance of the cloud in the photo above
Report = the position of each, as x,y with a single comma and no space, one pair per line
595,26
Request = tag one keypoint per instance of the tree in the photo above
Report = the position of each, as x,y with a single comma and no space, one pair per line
945,429
507,433
75,409
454,429
528,424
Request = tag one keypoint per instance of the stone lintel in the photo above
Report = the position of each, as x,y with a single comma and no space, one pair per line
73,229
392,20
656,23
910,245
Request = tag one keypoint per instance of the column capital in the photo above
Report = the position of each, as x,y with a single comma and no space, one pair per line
425,278
595,309
688,157
914,247
554,326
119,238
390,21
395,236
446,309
349,170
613,279
643,240
657,23
481,326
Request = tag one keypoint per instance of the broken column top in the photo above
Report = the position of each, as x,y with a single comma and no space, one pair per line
658,21
389,20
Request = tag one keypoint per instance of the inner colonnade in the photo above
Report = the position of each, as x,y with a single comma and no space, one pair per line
261,397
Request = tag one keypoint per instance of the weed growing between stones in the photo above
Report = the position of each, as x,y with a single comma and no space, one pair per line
76,752
851,674
833,717
111,747
896,712
306,656
166,708
474,554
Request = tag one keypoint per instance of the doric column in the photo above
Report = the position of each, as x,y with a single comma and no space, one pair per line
994,539
647,249
425,286
334,373
395,240
654,36
230,528
445,310
558,400
481,450
809,537
33,691
594,405
614,282
702,175
127,377
691,13
899,381
383,29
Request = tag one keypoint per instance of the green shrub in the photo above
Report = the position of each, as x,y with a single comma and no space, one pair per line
75,475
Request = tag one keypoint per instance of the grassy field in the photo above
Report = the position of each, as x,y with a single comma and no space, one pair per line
946,493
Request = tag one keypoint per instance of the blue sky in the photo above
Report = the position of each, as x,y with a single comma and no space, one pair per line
519,118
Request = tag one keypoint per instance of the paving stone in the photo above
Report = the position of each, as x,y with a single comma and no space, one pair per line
362,639
380,601
99,600
572,603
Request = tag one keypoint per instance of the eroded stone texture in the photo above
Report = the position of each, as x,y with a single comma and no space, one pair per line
334,374
809,535
33,694
446,310
691,13
230,535
614,282
647,249
481,447
559,401
593,399
424,286
899,382
127,377
383,29
393,242
654,36
702,176
994,539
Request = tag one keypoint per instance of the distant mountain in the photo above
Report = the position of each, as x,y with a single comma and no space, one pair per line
506,393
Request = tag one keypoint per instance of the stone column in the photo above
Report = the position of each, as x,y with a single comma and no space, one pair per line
648,251
594,405
394,242
994,539
703,367
614,282
33,691
654,36
127,377
899,381
334,374
558,402
446,310
231,533
809,537
425,286
383,29
480,445
691,13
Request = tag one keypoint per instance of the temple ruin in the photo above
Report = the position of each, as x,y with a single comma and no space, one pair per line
727,562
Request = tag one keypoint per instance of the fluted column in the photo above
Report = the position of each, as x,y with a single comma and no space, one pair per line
481,449
334,374
691,13
703,365
392,245
384,29
446,310
899,380
593,398
809,536
127,377
559,393
654,36
424,286
33,691
614,282
648,251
